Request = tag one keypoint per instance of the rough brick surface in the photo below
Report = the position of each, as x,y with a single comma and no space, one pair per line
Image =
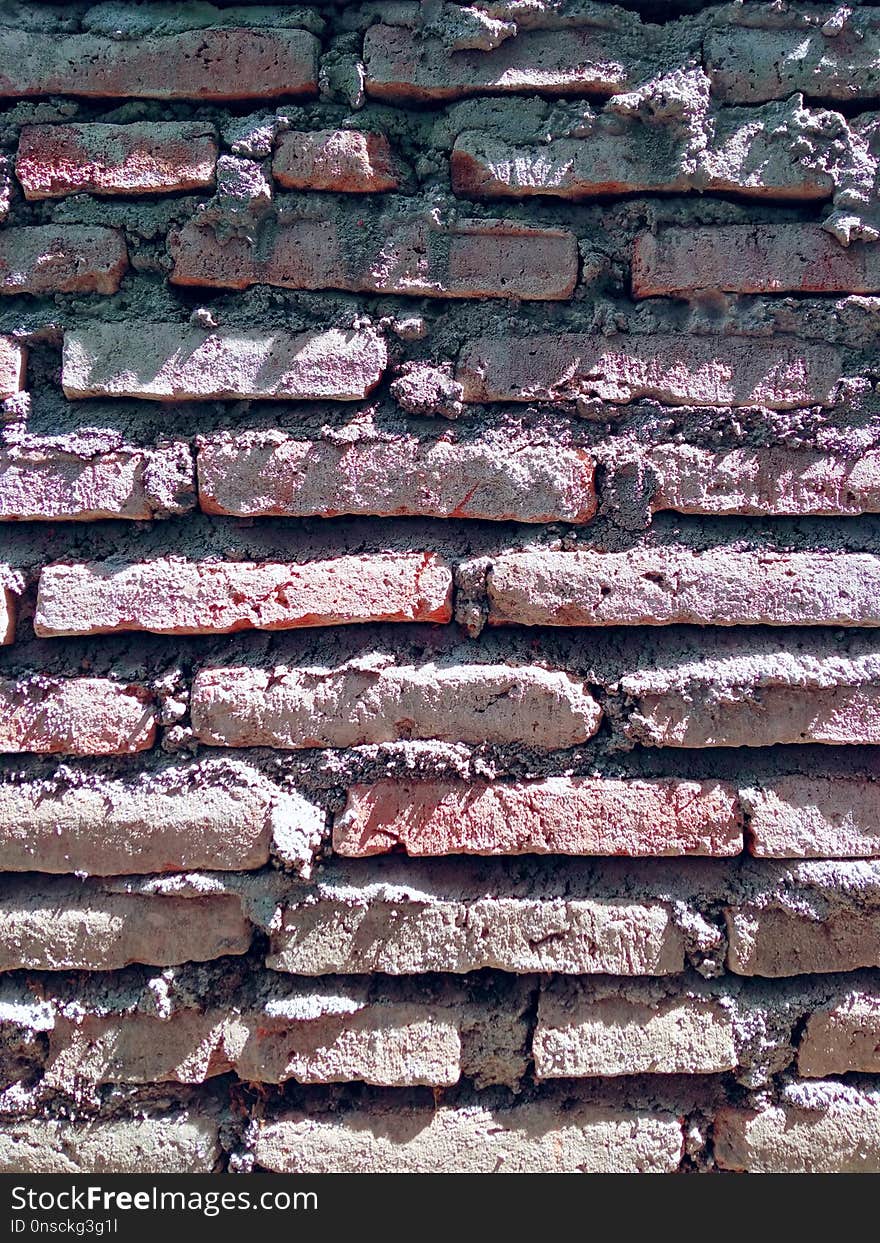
173,363
814,817
842,1038
657,587
61,259
170,1144
559,815
171,596
266,474
75,716
380,702
349,161
8,614
194,64
13,358
152,157
750,65
839,1136
699,371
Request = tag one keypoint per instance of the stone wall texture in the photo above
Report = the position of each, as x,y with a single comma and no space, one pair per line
439,586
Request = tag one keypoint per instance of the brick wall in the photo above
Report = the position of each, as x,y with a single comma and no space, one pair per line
439,693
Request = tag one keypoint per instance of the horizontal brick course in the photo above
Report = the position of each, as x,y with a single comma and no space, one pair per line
174,596
814,817
229,64
558,815
660,586
347,161
840,1137
750,65
172,1144
43,259
701,371
177,363
75,716
350,706
265,474
152,157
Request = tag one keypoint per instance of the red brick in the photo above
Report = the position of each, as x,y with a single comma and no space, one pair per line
228,64
13,360
61,259
75,716
343,160
152,157
771,480
814,817
470,259
558,815
404,65
673,586
172,362
752,258
174,596
511,478
351,706
748,64
702,371
46,483
840,1136
841,1036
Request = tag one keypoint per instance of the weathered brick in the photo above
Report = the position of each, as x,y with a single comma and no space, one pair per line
43,482
585,1028
667,586
66,925
75,716
349,161
13,360
701,371
769,480
171,1144
174,596
539,1136
839,1134
227,64
405,65
43,259
814,817
469,259
152,157
755,698
451,917
360,704
752,258
842,1037
558,815
199,815
513,478
8,614
749,65
171,362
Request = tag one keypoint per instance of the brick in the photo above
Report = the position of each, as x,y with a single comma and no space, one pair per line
841,1037
177,363
586,1029
840,1135
59,924
8,615
774,481
226,64
670,586
172,1144
500,479
814,817
450,917
701,371
752,258
749,65
75,716
152,157
755,698
13,360
356,705
61,259
195,815
558,815
475,1138
174,596
408,65
469,259
345,161
43,482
